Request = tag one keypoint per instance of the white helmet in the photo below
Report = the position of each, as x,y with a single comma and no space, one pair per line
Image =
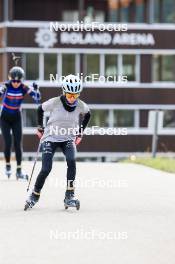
72,84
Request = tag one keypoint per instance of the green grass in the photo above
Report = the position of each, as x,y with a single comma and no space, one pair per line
164,164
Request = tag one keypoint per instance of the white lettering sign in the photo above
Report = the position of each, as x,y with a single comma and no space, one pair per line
74,38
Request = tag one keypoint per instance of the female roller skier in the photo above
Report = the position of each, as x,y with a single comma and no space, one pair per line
65,111
13,92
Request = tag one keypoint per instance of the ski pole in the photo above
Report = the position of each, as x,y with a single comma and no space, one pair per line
36,158
35,86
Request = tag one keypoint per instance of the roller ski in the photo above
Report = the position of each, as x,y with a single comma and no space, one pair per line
8,170
20,175
70,201
32,200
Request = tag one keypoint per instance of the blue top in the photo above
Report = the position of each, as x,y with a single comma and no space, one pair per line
13,97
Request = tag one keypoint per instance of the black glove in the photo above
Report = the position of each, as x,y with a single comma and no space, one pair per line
35,86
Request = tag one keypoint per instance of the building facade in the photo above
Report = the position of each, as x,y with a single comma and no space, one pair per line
143,50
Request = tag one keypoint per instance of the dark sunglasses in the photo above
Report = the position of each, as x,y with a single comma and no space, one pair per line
16,81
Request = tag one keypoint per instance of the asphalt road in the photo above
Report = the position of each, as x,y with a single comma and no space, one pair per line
127,216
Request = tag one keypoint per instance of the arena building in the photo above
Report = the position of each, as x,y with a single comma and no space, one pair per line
141,47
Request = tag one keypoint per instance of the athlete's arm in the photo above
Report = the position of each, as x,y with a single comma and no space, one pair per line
40,115
34,92
84,123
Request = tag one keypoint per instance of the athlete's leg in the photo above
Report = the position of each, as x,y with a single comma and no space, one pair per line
17,136
47,160
6,128
69,150
47,157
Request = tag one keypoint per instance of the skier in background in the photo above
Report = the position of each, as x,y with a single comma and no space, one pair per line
65,111
13,93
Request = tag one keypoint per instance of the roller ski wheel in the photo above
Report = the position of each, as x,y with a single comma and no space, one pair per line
28,206
77,205
31,201
8,171
21,176
70,201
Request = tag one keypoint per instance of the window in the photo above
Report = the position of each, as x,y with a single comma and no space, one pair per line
124,14
94,15
91,64
99,118
112,16
140,13
157,11
31,66
169,118
50,65
29,117
111,65
125,65
70,16
68,64
164,11
164,68
168,11
123,118
129,62
127,11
